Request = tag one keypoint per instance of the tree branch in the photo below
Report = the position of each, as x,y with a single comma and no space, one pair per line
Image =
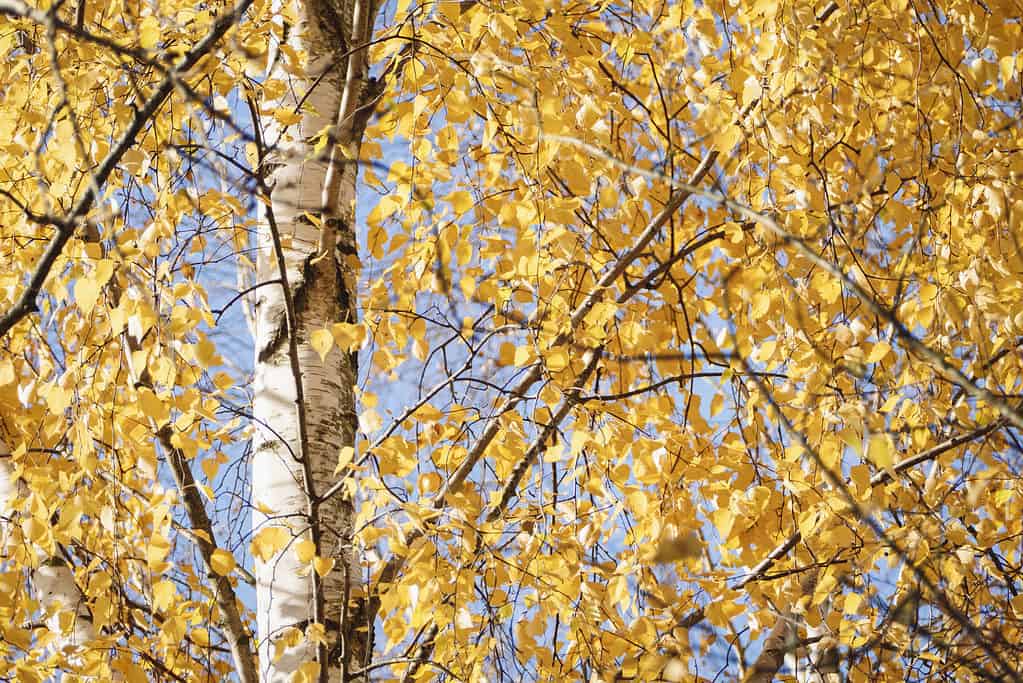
26,303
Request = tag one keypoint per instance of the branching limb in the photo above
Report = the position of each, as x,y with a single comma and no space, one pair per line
26,303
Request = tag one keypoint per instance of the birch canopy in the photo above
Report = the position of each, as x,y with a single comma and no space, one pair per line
480,341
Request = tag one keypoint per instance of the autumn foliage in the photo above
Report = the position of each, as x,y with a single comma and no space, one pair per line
688,342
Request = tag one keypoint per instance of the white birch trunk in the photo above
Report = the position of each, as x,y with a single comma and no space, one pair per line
53,583
782,640
292,461
821,656
58,593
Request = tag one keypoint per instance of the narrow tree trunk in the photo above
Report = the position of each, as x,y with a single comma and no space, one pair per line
781,640
304,405
57,592
821,654
53,583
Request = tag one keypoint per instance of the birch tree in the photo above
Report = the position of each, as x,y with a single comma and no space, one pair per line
304,403
644,341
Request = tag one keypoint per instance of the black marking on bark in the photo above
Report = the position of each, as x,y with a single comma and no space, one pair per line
358,634
299,297
344,236
353,359
346,249
304,219
277,339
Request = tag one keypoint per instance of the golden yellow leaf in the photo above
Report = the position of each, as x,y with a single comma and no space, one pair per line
461,201
305,550
323,565
222,562
164,593
673,546
344,459
879,352
524,355
86,294
149,32
321,341
881,451
308,672
556,359
201,637
348,336
268,541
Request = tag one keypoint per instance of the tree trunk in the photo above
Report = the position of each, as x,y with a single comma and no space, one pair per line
53,583
782,639
304,405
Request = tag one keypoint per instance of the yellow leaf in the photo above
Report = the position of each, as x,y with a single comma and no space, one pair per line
305,550
210,467
344,459
1017,605
720,612
348,336
427,413
461,201
86,294
290,637
274,88
761,304
34,529
316,634
321,341
206,353
134,161
7,375
104,269
164,593
524,355
130,671
149,33
557,359
268,542
201,637
308,672
766,351
853,601
881,451
323,565
153,407
878,353
370,421
287,117
506,354
673,546
827,287
222,562
890,403
58,399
